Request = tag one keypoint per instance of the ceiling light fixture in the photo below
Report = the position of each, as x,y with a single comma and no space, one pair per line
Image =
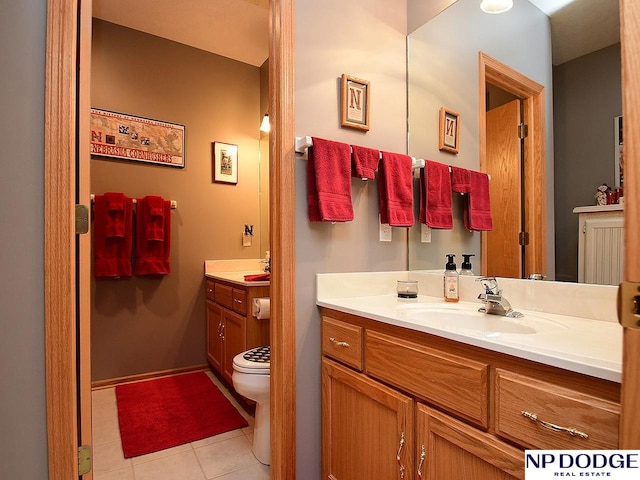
265,126
496,6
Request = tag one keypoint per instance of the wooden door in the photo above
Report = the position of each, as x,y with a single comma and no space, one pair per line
630,36
214,335
503,163
234,340
367,427
456,451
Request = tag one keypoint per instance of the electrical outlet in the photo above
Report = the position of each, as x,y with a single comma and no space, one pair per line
425,233
385,232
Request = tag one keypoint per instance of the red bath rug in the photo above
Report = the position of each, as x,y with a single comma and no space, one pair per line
157,414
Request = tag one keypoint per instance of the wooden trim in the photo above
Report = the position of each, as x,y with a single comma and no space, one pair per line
630,38
532,94
59,241
110,382
282,241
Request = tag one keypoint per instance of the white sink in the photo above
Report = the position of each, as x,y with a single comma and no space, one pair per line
465,317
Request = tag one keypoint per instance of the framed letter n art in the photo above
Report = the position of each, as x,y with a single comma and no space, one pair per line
355,103
449,138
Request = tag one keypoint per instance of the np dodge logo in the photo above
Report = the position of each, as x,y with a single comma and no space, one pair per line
611,464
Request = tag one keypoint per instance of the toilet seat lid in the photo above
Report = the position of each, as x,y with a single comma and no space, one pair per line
257,360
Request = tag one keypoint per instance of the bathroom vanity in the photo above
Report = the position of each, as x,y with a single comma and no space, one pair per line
231,328
405,395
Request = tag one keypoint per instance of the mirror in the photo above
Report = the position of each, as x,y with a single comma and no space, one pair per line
443,72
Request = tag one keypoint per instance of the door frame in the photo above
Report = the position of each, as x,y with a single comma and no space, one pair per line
532,95
62,125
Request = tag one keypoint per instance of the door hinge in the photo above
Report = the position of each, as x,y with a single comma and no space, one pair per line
523,238
82,219
84,459
523,131
629,304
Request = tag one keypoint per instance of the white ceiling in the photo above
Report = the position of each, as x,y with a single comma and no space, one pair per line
237,29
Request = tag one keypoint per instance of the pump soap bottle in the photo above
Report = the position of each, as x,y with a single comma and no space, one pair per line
466,268
450,280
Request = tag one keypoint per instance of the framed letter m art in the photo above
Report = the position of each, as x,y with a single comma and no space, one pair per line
355,103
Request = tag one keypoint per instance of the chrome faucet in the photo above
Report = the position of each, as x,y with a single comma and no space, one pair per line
267,262
494,302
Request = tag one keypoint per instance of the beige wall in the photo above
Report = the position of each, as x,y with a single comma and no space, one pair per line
366,39
142,325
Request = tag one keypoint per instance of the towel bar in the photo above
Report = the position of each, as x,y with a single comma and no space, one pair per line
174,203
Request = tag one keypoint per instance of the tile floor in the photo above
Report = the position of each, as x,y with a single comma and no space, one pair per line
224,457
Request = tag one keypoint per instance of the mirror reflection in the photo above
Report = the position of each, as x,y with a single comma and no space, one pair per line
576,62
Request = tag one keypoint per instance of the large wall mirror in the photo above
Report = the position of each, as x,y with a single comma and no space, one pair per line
573,54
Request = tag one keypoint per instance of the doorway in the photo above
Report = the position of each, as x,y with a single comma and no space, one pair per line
524,211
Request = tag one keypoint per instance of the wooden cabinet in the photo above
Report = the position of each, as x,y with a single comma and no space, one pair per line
379,382
231,329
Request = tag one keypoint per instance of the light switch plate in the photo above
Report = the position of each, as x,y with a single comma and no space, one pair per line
385,232
246,240
425,233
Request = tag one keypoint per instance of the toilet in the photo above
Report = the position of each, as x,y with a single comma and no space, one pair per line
251,379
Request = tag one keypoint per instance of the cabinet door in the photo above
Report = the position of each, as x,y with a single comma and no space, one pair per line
235,340
457,451
214,335
367,427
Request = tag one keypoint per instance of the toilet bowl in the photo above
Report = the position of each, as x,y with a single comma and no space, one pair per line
251,379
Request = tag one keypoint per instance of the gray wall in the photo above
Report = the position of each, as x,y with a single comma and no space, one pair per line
366,39
443,72
587,95
23,442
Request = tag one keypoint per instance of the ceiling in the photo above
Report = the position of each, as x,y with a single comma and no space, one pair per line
579,27
239,29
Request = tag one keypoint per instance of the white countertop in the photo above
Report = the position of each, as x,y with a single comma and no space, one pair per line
235,270
238,278
587,346
616,207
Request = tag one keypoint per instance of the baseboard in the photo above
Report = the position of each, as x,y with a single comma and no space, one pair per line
110,382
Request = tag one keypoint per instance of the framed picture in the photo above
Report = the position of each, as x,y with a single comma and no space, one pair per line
618,151
449,139
355,103
127,137
225,163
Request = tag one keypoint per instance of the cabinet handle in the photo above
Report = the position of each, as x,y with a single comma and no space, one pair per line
556,428
339,344
222,331
400,466
219,329
422,457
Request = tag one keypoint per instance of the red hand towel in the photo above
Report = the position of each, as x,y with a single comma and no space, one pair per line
460,180
395,189
365,162
329,182
435,196
152,256
114,221
112,235
155,224
257,277
477,215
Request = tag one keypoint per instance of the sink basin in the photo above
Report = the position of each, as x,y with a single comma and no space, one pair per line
466,318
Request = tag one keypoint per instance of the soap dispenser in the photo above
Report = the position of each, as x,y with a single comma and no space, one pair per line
466,268
450,279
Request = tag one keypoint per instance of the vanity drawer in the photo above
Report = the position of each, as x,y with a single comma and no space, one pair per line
454,383
224,295
240,301
519,395
342,342
211,290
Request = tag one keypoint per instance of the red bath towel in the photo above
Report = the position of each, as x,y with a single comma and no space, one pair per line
329,182
112,235
477,215
365,162
152,254
395,189
435,196
460,180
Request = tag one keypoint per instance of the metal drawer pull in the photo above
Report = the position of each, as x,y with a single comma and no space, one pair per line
400,466
422,457
556,428
339,344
